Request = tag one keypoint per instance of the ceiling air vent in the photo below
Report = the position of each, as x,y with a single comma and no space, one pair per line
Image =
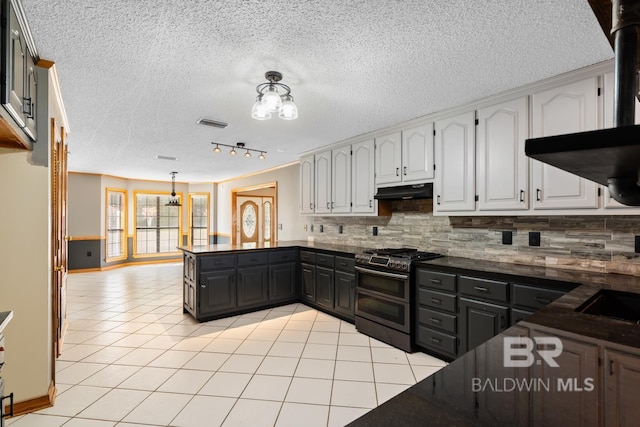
211,122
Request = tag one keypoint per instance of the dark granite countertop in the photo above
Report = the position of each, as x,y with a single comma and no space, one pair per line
5,318
211,249
449,397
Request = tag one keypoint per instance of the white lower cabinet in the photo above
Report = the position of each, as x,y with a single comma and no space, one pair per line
566,109
455,164
502,178
362,177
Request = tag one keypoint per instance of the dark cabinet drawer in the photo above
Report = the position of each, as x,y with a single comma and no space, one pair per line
437,300
307,256
533,297
253,258
483,288
435,280
438,320
518,315
345,264
437,340
216,262
325,260
283,256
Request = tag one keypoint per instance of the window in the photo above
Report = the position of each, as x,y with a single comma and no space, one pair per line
157,225
116,239
199,219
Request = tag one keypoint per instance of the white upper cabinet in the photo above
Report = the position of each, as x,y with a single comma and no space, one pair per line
502,178
455,160
566,109
362,175
389,158
608,201
307,184
341,180
417,153
323,182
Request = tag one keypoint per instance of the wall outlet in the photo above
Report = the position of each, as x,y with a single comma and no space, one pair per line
534,238
279,226
88,253
507,237
375,231
340,229
637,244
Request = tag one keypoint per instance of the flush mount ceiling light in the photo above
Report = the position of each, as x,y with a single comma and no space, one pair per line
173,201
270,100
239,146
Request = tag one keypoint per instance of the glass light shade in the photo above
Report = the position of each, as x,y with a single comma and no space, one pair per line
232,152
271,99
217,149
262,156
259,110
247,154
289,111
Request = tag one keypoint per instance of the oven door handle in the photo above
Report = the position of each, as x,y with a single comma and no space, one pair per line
382,273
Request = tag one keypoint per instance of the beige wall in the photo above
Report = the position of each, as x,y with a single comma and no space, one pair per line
287,179
26,276
84,206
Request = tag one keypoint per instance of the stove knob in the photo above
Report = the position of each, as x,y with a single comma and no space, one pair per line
405,265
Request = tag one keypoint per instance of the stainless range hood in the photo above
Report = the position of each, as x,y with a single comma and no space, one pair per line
609,157
405,192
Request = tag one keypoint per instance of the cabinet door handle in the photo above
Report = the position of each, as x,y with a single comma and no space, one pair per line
370,203
436,321
436,340
611,372
436,281
203,286
405,171
438,199
328,205
436,301
310,205
502,322
332,205
481,289
543,300
397,171
522,195
538,194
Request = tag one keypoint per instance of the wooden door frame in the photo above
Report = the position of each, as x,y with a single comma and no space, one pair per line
234,209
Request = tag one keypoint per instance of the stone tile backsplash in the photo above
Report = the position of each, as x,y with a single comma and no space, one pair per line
592,243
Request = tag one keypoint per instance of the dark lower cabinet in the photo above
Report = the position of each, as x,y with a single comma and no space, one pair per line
253,286
480,321
308,282
217,292
345,284
324,286
282,282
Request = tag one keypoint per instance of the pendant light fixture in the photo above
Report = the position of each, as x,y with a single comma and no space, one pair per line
173,200
270,100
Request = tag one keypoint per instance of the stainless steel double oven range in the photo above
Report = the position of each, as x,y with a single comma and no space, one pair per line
385,294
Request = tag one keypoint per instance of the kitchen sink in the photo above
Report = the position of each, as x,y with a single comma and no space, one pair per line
613,304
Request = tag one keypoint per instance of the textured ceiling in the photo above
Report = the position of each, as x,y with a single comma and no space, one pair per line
136,75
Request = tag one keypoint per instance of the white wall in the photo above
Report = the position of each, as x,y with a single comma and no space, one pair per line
288,182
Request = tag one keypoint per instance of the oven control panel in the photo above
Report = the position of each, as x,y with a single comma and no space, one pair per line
383,261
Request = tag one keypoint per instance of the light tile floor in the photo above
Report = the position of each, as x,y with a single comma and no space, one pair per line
132,358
